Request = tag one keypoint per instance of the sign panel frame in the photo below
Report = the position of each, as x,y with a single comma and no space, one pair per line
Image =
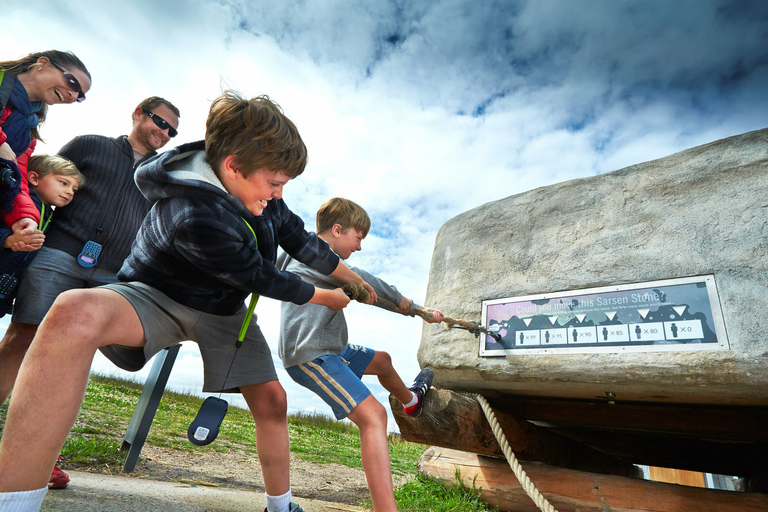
669,315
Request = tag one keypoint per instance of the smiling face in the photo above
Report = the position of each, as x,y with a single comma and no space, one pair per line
344,241
256,190
54,189
146,135
49,84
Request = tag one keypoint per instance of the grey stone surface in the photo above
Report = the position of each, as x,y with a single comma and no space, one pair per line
701,211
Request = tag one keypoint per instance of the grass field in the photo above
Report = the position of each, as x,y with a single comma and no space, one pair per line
97,438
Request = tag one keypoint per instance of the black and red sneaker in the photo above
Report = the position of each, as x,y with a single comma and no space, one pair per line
420,386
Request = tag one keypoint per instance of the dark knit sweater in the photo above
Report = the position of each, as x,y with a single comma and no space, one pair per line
196,244
109,209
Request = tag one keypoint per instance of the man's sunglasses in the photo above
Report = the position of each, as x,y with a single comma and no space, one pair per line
161,123
72,82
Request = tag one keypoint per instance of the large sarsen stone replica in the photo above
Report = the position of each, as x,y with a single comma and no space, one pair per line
572,357
703,211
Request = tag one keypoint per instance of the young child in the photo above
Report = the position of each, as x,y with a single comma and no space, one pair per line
208,242
313,347
53,181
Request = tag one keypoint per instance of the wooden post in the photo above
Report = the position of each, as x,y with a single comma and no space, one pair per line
457,421
578,491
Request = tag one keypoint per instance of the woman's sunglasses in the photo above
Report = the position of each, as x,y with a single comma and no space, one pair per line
161,123
72,83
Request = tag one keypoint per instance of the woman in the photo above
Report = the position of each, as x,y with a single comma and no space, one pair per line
27,86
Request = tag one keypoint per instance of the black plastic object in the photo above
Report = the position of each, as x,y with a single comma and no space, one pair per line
7,176
7,285
205,428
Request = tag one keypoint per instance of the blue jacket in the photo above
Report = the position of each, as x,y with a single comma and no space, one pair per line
194,244
21,119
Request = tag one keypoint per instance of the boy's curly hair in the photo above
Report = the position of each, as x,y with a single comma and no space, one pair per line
256,132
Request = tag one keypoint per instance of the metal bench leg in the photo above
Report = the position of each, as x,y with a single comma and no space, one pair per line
138,428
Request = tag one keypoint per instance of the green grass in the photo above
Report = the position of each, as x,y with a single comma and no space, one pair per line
97,437
428,495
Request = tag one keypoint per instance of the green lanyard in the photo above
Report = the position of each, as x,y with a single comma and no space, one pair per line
43,226
254,300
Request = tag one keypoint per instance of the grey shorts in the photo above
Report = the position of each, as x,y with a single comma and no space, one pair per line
52,272
166,323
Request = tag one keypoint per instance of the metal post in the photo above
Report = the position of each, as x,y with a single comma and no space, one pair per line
138,428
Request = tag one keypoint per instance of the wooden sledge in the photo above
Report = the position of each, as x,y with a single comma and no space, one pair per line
570,473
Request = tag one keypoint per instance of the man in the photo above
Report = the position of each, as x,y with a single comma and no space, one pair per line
90,238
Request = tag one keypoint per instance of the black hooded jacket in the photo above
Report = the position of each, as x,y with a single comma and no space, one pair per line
195,246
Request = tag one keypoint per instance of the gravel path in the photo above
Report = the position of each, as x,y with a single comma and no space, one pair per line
90,492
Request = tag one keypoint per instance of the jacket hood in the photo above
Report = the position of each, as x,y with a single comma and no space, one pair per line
183,172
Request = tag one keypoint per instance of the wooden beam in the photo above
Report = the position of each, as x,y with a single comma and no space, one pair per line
578,491
720,422
457,421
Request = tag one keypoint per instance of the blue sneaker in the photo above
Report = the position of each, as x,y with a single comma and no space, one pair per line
420,386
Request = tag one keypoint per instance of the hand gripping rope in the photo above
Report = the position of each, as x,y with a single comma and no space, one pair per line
357,292
360,294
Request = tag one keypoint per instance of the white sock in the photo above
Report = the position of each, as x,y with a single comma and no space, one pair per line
22,501
413,401
278,503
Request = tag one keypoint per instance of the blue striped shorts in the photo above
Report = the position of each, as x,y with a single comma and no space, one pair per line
336,378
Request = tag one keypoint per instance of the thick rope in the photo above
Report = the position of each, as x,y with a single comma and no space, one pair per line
528,486
357,292
360,294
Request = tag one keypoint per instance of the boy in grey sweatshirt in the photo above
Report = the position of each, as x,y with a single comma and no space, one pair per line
314,348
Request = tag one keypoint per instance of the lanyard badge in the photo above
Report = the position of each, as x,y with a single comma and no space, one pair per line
89,255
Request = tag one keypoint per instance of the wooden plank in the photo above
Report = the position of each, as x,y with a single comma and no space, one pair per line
717,422
578,491
676,476
457,421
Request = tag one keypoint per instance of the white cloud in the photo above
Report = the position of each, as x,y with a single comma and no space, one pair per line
418,111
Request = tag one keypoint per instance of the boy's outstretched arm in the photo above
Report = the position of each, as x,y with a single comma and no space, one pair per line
406,306
334,299
346,276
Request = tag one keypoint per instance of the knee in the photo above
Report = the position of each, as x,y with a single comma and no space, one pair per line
75,313
272,402
370,414
385,359
69,301
385,365
18,336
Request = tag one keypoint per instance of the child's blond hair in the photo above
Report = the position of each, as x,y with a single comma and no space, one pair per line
43,165
345,213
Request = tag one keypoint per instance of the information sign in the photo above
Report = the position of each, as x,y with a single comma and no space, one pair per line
670,315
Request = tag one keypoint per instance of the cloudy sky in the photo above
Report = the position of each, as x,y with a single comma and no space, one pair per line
417,110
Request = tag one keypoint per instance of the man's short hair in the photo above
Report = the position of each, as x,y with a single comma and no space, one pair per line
345,213
155,101
256,132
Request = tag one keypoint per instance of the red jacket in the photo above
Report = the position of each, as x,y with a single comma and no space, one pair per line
23,206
